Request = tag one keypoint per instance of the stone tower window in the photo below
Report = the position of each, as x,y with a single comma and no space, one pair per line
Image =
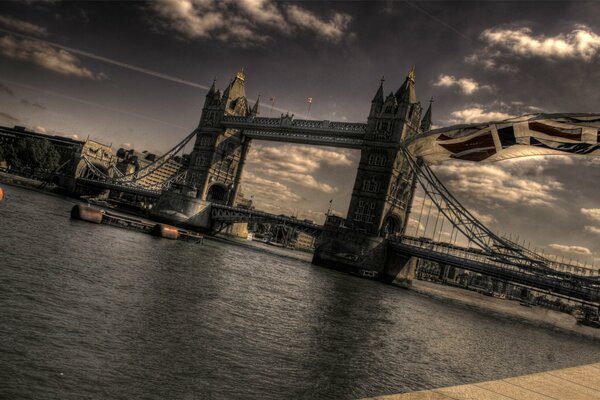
378,160
365,211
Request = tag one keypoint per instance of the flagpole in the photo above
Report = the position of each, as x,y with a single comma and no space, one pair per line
309,101
272,99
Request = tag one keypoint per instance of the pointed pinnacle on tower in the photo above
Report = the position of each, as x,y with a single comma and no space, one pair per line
240,75
411,73
212,87
406,93
426,121
379,95
255,111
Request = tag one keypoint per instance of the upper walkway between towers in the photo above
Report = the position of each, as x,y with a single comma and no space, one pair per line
290,130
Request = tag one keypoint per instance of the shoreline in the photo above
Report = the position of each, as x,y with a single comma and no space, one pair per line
506,309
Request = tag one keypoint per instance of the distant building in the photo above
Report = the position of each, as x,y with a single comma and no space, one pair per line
65,146
70,150
131,161
305,241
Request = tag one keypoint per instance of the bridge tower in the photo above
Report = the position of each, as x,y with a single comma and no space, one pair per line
219,154
384,185
382,194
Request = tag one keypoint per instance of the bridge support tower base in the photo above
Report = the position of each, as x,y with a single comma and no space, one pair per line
180,207
362,254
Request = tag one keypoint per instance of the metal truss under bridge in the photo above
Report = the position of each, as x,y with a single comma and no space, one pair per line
226,215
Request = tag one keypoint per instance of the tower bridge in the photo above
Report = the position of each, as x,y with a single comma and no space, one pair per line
372,239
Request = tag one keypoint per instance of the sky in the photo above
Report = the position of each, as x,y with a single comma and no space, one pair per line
134,74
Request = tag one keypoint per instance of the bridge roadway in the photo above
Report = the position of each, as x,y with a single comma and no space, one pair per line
226,214
133,189
348,135
586,289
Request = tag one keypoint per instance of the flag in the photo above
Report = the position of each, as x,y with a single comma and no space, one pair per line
528,135
272,99
309,100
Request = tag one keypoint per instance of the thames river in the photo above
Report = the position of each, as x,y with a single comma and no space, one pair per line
91,311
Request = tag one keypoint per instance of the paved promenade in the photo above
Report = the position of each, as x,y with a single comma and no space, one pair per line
578,383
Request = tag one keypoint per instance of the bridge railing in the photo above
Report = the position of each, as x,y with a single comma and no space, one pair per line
477,261
353,129
225,213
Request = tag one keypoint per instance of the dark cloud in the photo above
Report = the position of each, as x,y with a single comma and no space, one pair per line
33,104
8,118
22,26
5,89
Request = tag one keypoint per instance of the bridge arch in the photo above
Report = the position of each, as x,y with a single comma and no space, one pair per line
392,224
217,193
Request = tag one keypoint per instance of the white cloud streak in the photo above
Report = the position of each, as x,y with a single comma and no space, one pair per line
591,213
22,26
244,23
477,114
297,164
592,229
503,45
579,250
40,53
495,186
111,61
466,86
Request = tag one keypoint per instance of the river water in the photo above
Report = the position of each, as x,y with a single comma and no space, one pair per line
91,311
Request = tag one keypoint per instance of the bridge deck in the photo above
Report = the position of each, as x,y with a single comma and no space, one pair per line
578,383
136,190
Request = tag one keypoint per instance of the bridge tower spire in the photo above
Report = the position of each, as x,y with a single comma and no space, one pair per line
426,121
383,188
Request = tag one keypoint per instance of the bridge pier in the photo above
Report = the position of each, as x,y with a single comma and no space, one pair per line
362,254
181,207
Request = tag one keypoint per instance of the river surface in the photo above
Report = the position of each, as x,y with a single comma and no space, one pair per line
91,311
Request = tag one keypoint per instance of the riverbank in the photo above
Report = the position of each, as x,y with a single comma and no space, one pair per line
502,308
20,181
577,383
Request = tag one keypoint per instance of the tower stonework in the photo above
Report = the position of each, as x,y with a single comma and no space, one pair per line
382,194
383,188
217,159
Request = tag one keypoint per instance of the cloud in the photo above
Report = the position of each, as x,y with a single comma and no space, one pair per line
22,26
465,85
592,229
6,89
245,23
297,164
333,30
477,114
34,104
591,213
44,55
301,159
414,227
11,119
266,191
495,185
579,250
304,180
504,45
